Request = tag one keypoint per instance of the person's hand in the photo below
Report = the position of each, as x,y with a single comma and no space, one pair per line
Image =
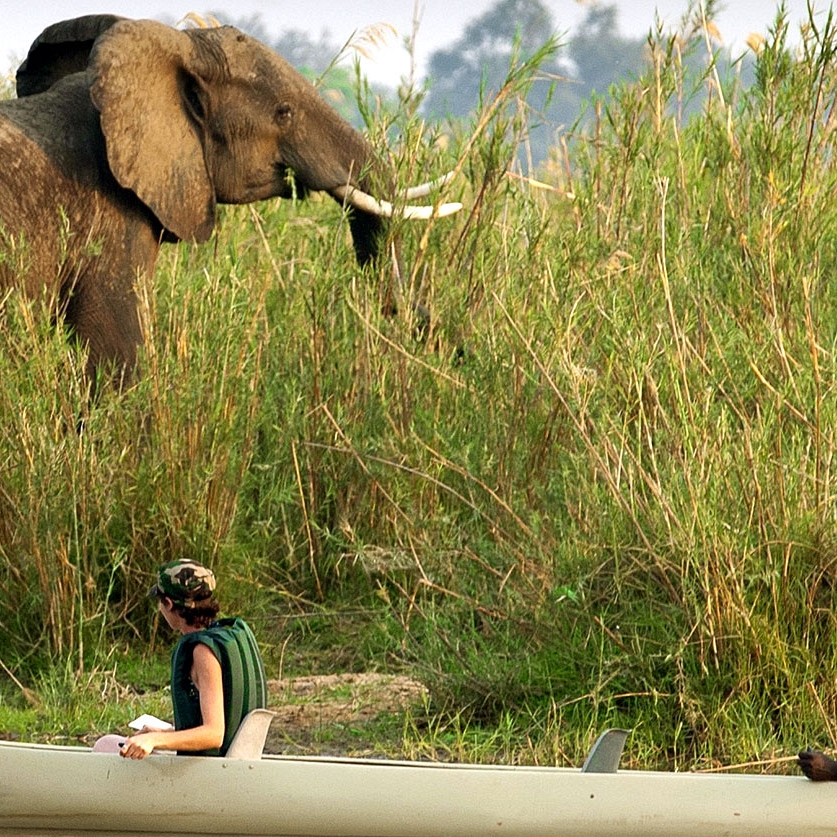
817,766
138,746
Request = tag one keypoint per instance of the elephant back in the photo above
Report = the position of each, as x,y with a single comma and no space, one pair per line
60,50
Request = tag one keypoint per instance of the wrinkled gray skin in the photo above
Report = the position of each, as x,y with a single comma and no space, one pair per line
128,133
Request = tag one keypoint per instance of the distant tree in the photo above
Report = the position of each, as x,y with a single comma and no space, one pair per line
479,61
601,55
595,56
306,54
480,58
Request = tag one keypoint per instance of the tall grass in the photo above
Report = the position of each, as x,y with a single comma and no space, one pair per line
600,490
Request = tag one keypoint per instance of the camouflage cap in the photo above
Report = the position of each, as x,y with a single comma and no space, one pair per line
185,582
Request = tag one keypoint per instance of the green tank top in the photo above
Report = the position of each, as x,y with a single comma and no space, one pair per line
242,672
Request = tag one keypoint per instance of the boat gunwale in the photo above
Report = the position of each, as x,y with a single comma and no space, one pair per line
279,758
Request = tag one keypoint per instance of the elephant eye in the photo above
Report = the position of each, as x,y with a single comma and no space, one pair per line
283,114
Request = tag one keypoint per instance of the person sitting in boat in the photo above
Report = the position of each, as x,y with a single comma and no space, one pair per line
217,674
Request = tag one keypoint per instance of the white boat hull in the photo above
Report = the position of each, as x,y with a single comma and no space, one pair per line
73,791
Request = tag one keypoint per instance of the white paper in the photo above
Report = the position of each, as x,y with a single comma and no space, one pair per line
149,721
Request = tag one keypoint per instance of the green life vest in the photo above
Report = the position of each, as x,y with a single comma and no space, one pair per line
242,671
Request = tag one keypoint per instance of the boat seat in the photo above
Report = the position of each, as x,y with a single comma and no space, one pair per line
605,754
249,738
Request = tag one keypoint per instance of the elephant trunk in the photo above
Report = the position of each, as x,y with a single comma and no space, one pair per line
344,164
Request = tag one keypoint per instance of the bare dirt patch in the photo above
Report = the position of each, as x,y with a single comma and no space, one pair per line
341,714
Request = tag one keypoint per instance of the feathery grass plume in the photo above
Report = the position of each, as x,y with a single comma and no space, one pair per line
364,42
192,20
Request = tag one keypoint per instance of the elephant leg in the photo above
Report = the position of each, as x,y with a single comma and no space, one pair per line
103,317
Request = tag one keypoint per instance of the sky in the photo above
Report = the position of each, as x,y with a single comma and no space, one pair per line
441,22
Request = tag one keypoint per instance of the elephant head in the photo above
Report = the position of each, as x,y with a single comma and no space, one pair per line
185,120
204,116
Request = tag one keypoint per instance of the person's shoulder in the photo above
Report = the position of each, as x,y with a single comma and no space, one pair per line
205,651
226,624
221,628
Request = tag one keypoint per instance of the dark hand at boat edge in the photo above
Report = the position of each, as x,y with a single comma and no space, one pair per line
817,766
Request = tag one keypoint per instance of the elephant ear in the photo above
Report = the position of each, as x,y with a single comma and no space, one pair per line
60,50
154,145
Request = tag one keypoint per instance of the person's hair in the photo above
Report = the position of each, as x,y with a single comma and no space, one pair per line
202,616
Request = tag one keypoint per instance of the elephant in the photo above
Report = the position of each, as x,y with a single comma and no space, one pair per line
128,133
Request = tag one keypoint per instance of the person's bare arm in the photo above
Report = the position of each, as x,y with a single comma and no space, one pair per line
206,675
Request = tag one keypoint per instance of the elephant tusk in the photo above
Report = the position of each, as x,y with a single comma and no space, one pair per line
425,213
425,189
384,209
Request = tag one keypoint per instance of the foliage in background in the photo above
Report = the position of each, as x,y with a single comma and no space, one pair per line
596,55
600,490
